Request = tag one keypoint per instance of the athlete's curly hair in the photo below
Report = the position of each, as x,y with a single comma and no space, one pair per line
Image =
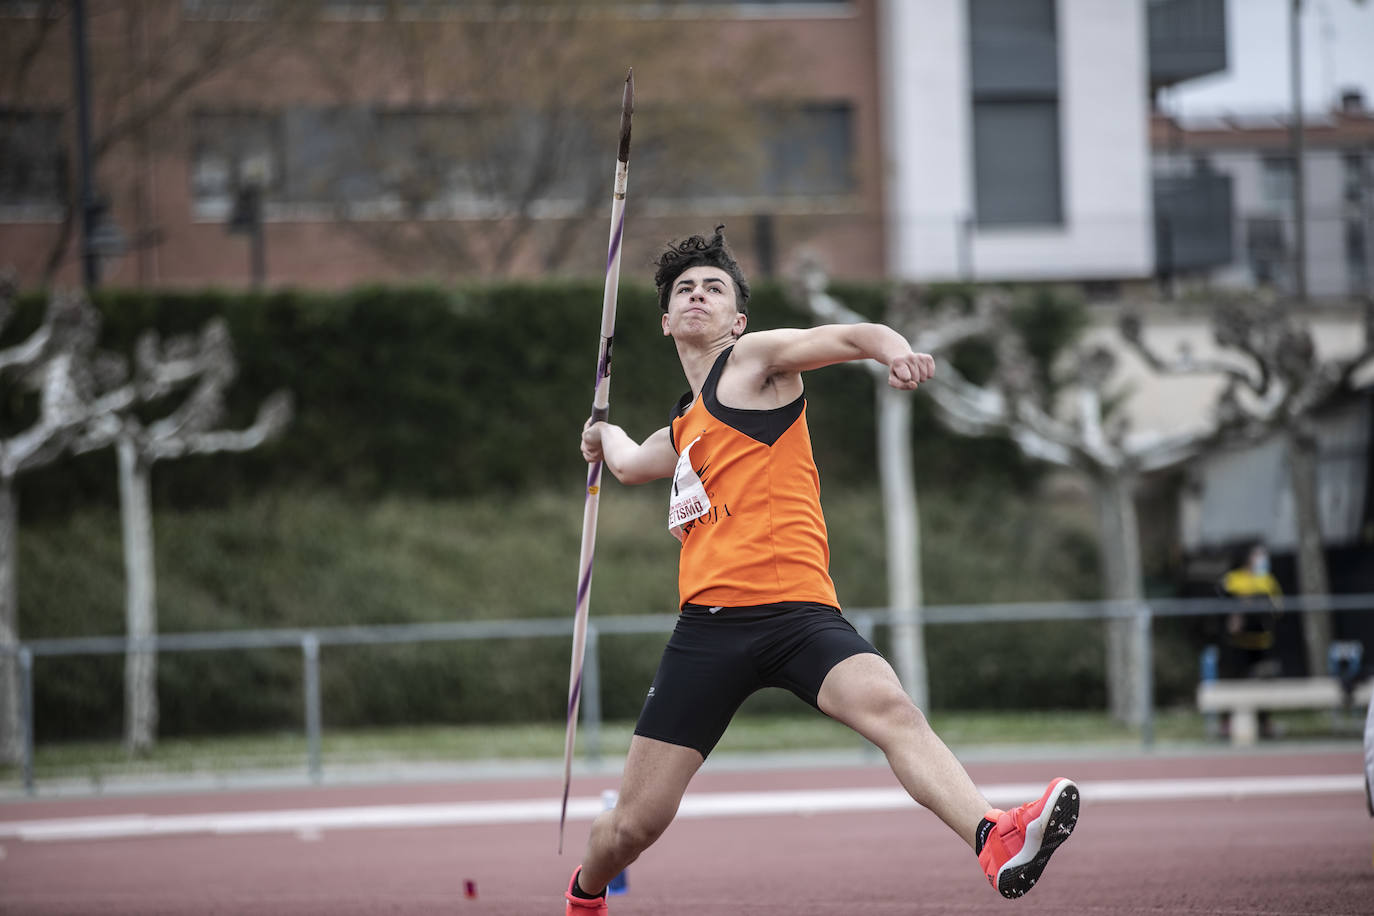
698,251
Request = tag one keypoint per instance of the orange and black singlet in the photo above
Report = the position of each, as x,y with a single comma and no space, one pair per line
758,536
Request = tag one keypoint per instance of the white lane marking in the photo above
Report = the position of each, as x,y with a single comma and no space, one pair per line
309,821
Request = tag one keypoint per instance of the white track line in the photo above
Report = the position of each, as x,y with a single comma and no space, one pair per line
717,804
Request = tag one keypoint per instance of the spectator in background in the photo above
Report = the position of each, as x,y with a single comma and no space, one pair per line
1248,640
1250,631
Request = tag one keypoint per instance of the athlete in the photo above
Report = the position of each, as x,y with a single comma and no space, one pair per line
758,607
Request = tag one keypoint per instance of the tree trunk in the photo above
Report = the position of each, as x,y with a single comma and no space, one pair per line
10,750
901,517
1120,546
1312,578
140,664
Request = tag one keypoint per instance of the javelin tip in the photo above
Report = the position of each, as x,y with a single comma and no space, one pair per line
627,108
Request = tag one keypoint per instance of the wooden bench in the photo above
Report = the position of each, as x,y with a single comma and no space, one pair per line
1244,698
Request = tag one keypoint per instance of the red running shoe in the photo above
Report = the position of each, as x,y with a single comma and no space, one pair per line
580,906
1021,840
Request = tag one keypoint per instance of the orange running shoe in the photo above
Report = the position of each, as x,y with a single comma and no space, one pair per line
1021,840
580,906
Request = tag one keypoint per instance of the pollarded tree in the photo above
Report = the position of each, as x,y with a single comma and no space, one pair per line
929,331
1112,456
1275,381
58,362
207,362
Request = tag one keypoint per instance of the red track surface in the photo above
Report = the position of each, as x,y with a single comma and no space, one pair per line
1280,854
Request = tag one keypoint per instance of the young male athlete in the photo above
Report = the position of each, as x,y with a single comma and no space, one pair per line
758,608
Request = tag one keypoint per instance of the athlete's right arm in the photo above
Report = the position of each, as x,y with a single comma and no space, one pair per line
631,462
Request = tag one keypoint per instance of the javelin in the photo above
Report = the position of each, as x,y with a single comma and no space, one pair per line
601,405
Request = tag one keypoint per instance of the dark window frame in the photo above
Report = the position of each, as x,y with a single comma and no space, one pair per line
36,176
1003,87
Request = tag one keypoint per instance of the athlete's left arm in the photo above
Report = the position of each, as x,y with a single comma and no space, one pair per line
789,350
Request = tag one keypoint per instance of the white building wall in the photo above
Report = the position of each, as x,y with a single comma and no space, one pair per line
926,103
1328,269
1107,230
1243,493
1177,404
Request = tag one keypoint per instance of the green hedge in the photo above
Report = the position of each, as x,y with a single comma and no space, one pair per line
426,399
317,560
451,393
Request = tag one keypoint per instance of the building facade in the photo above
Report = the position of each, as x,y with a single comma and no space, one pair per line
330,143
1234,222
1017,140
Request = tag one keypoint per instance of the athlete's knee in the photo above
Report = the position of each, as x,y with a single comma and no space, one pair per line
893,712
634,832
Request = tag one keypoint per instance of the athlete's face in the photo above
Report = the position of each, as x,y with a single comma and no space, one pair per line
702,304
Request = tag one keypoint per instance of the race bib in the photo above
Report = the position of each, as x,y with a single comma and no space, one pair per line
688,500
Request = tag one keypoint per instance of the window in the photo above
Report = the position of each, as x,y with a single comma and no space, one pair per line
414,162
1016,162
1276,181
523,157
330,155
809,151
1357,183
378,9
31,9
429,10
231,149
33,162
802,5
415,155
782,151
1356,263
225,10
1015,80
442,163
1268,252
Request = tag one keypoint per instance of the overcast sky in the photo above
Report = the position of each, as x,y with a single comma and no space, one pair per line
1338,52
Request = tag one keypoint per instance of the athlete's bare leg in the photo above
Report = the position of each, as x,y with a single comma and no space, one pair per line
864,693
655,778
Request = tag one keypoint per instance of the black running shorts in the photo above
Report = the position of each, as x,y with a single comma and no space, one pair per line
717,657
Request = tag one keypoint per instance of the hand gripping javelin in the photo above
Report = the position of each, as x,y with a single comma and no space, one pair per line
601,402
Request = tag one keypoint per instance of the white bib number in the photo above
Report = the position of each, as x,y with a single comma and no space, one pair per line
688,500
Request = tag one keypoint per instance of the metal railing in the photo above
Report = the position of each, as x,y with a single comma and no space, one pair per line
865,620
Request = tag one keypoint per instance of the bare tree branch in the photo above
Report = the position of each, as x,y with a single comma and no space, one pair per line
1131,327
967,408
27,354
141,90
273,417
57,372
1354,366
45,19
206,359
